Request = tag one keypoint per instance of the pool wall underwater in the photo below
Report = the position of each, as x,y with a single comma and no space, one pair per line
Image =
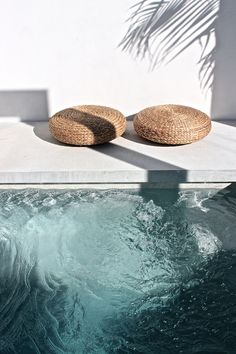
128,270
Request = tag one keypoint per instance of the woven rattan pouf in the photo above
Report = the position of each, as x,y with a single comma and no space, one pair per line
172,124
87,125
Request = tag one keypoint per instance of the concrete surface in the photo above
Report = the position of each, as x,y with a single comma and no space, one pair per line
127,186
28,154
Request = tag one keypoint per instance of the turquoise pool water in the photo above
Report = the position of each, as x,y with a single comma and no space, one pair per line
118,271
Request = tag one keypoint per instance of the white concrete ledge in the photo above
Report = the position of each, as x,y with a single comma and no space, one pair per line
28,154
127,186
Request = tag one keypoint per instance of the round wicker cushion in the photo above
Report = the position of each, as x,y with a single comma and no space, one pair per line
172,124
87,125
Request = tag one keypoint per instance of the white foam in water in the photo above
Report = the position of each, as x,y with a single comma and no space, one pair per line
207,242
149,214
195,199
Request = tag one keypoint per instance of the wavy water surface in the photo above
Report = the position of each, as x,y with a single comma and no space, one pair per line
117,272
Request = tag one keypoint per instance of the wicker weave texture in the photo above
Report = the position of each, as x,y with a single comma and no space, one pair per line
172,124
87,125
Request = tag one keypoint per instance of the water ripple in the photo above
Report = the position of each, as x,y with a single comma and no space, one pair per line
117,272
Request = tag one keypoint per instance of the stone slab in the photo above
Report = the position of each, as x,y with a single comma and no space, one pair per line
28,154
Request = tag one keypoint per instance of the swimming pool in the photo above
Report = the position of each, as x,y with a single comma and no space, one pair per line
89,271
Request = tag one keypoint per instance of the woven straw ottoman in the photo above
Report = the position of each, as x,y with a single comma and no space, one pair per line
87,125
172,124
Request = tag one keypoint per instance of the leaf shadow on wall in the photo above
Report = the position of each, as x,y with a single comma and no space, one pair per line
162,30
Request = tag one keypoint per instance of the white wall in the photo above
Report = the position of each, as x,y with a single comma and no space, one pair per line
70,48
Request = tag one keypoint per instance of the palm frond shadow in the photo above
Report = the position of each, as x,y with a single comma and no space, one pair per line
163,29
